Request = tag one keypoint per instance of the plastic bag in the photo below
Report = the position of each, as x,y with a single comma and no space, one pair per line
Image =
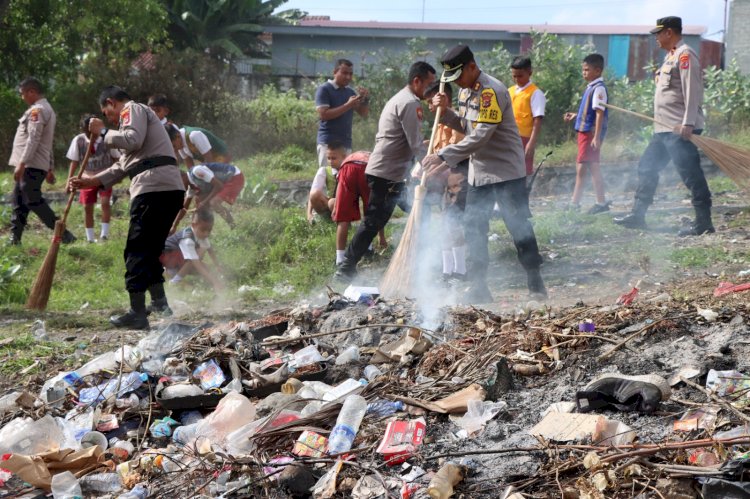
477,414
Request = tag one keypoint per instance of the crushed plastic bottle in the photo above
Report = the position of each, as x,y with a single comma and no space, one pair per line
130,382
131,402
371,372
351,415
382,408
65,486
140,491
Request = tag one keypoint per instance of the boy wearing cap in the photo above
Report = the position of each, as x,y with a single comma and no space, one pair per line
677,109
399,140
497,170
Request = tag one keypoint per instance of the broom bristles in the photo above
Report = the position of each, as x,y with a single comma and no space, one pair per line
398,279
733,160
39,295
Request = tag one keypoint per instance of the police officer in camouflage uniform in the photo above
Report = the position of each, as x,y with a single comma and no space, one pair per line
156,194
677,109
32,161
497,169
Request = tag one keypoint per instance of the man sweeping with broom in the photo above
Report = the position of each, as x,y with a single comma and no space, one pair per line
497,169
677,110
156,194
398,142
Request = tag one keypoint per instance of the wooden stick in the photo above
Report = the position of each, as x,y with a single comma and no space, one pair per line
287,341
639,115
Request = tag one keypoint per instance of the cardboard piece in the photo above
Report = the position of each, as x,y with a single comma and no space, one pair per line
452,404
38,470
575,427
411,342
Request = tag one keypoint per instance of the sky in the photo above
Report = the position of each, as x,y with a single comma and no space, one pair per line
708,13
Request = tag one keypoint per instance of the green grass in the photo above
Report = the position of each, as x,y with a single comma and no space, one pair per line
25,350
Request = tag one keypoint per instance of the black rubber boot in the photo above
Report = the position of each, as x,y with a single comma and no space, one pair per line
136,317
68,237
345,272
702,224
536,284
159,303
477,292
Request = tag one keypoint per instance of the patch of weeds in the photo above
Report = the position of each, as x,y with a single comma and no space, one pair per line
25,350
700,256
292,163
720,184
740,220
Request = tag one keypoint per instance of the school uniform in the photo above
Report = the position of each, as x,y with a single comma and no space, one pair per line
529,103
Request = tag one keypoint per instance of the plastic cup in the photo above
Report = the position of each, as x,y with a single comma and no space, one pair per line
93,438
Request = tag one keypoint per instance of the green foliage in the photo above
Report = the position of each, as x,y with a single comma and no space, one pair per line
271,121
223,28
49,38
726,98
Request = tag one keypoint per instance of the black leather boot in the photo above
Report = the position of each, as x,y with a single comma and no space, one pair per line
136,317
702,224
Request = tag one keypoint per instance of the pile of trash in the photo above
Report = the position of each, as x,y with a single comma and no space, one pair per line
360,399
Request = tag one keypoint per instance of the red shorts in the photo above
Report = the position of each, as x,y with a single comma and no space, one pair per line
232,188
352,186
172,260
529,159
88,196
585,153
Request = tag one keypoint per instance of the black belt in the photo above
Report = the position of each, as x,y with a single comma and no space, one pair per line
148,163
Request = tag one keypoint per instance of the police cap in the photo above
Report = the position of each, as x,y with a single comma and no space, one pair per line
453,62
673,22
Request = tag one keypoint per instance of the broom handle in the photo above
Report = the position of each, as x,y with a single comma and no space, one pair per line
643,116
81,168
433,135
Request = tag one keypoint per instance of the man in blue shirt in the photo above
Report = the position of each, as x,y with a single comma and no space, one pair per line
336,102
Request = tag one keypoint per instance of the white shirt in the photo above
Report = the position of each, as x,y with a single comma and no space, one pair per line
319,182
73,155
538,101
600,95
188,249
198,139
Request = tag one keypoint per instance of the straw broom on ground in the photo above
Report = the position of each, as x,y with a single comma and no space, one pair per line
40,291
731,159
399,278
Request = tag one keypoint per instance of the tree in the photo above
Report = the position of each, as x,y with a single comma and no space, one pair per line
50,38
224,28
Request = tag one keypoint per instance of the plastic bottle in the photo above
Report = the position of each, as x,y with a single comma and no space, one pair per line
343,389
131,402
185,434
347,424
447,477
138,492
65,486
372,372
130,382
101,482
381,408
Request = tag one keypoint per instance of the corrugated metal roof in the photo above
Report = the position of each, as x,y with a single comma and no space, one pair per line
559,29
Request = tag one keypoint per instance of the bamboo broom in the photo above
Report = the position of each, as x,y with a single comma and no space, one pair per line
39,294
731,159
399,278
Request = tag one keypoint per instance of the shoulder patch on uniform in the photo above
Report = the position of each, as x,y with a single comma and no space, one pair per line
685,61
420,115
34,115
489,109
125,117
